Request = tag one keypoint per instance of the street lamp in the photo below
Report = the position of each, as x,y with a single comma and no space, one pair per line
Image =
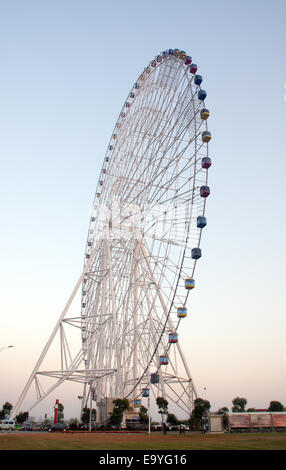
6,347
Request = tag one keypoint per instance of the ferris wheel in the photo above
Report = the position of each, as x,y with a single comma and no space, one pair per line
146,223
143,244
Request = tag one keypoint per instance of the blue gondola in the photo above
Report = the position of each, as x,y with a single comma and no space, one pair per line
201,221
132,95
202,95
154,378
189,283
196,253
198,79
145,392
110,147
171,52
181,312
137,403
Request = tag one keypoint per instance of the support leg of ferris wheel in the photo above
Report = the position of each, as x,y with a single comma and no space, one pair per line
102,279
104,285
48,344
152,329
150,308
146,257
135,317
119,388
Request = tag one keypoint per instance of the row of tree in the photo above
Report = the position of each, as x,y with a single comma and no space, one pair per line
201,408
24,415
239,406
198,415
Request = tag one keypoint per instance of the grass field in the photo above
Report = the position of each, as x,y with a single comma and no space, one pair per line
105,441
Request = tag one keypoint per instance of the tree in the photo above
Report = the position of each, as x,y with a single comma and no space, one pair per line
239,405
60,413
172,419
22,417
120,406
275,406
201,408
85,415
143,415
163,407
6,410
223,411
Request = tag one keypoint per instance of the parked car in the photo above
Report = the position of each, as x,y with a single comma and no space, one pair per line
57,427
173,428
156,427
185,427
7,424
37,427
18,427
27,427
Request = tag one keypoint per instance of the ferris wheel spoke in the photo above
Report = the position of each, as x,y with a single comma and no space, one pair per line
162,171
166,120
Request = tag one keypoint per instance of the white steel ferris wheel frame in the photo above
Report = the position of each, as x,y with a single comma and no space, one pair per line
139,248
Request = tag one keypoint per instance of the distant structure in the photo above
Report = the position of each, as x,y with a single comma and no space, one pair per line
56,412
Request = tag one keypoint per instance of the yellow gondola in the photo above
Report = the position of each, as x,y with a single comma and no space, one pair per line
181,312
189,283
205,114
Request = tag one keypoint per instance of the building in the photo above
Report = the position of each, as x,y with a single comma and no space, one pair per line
105,409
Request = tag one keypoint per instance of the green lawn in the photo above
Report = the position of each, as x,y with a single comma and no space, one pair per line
156,441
